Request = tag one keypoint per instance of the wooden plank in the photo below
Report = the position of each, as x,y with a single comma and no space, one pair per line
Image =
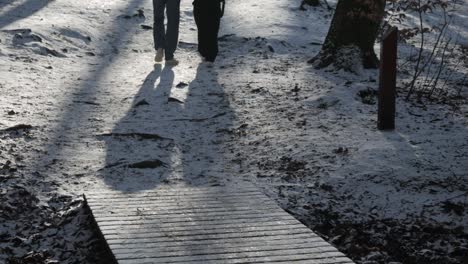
162,197
245,261
234,218
196,192
255,219
193,249
179,199
173,202
156,233
228,242
286,241
128,240
312,258
304,260
147,212
154,205
197,226
191,216
186,189
179,224
208,229
233,253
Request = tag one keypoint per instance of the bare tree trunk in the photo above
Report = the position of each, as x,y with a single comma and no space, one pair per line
355,25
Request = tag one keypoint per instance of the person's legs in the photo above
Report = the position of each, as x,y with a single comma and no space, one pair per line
172,33
200,19
159,32
207,15
212,31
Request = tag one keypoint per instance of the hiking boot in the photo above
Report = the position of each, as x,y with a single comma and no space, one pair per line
172,62
159,56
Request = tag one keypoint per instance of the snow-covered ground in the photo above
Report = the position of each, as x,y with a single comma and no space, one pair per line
83,107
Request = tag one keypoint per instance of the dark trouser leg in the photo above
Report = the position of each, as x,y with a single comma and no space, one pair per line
207,15
159,33
173,20
199,20
212,35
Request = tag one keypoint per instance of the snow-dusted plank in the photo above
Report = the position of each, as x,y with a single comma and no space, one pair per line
184,254
231,259
189,201
177,197
212,217
204,225
285,241
194,250
200,220
197,237
169,192
210,211
176,230
225,242
158,233
155,207
196,226
257,220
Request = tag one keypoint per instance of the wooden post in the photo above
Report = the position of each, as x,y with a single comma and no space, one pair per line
387,85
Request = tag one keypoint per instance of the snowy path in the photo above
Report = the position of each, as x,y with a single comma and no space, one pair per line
105,101
100,92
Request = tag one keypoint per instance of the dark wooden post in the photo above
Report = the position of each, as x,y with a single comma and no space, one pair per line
387,85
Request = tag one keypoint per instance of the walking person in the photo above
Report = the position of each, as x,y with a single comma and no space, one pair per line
208,15
165,39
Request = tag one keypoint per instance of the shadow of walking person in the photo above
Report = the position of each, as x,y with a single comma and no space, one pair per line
207,113
165,154
132,147
169,137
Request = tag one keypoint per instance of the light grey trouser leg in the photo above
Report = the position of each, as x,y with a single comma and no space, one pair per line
166,39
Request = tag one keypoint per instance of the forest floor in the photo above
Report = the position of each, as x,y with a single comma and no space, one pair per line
84,107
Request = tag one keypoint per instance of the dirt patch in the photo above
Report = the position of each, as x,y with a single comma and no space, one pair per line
37,231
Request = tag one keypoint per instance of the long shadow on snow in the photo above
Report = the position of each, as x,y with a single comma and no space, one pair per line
22,11
163,139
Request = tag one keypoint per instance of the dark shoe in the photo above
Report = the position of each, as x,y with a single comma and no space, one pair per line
172,62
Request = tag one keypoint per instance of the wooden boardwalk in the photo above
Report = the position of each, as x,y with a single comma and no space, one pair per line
204,225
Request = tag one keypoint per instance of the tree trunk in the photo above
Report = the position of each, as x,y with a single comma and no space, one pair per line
354,28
